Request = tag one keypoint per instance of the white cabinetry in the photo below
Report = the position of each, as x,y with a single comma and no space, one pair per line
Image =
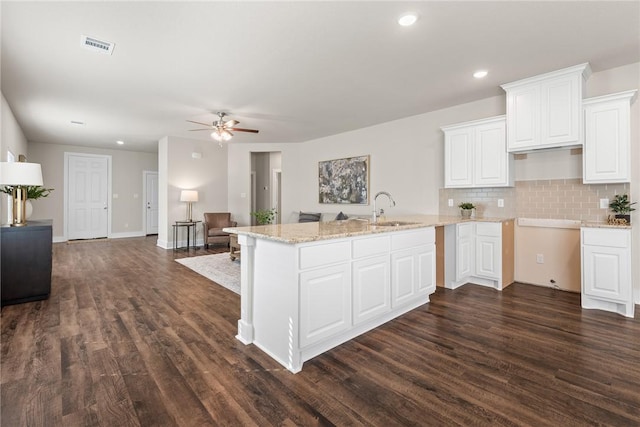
607,140
480,253
606,270
299,300
545,111
488,250
476,155
325,303
371,278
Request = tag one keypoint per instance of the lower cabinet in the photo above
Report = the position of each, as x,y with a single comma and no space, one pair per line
342,289
412,273
371,285
606,270
325,303
480,253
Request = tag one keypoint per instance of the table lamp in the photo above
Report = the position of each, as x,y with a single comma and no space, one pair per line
189,196
19,175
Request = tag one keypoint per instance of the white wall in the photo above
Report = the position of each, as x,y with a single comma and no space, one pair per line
127,210
406,160
179,170
11,139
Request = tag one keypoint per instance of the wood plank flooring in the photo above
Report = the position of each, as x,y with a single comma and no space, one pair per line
131,338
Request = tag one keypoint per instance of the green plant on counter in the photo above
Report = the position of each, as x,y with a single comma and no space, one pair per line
33,191
466,206
621,204
264,216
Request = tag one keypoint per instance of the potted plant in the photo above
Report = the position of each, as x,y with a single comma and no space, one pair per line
466,208
34,192
264,216
621,205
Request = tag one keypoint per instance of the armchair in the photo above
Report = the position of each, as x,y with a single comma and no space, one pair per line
213,224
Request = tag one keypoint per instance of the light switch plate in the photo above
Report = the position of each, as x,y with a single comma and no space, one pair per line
604,203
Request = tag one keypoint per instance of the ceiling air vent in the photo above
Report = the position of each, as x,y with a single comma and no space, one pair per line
97,45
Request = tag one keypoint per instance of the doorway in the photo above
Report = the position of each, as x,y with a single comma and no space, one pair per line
151,202
87,189
266,186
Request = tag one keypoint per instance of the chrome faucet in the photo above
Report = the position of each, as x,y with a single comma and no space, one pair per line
377,213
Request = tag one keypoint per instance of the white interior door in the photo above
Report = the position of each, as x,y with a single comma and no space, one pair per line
151,202
87,197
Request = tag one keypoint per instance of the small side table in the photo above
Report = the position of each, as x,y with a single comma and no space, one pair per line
191,228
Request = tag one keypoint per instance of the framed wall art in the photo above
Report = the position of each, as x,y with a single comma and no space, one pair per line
344,181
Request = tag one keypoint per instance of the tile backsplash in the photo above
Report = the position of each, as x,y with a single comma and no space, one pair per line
547,198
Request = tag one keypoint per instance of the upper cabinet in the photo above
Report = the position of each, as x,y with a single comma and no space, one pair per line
545,111
476,156
607,149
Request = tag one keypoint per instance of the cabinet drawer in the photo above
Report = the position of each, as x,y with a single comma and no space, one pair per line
606,237
371,246
323,254
492,229
413,238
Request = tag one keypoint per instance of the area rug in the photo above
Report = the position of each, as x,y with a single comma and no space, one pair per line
218,268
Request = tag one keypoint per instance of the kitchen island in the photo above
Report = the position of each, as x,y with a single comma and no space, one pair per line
306,288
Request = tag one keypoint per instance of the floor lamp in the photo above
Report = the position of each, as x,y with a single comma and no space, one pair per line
20,175
189,196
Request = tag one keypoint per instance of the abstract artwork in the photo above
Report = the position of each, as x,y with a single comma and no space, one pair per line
344,181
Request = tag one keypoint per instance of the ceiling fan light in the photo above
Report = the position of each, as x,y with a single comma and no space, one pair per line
216,135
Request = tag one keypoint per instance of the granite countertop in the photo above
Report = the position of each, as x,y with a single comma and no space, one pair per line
313,231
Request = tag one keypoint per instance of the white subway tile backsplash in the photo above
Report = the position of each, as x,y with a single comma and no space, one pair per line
557,199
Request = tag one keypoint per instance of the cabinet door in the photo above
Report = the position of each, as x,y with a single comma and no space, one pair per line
606,272
488,257
561,106
607,142
464,251
325,303
523,117
490,155
426,261
458,158
371,288
403,277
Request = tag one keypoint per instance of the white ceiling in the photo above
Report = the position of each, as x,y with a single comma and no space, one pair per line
295,70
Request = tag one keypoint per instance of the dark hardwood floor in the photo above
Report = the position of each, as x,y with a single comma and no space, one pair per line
129,337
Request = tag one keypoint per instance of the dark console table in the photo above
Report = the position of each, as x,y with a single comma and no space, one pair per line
25,262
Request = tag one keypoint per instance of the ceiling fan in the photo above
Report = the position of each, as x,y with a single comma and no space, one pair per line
222,128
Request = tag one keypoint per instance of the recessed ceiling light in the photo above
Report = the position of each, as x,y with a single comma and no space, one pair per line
120,142
480,74
408,19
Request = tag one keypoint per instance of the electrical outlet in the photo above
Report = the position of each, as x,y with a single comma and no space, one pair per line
450,202
540,258
604,203
501,203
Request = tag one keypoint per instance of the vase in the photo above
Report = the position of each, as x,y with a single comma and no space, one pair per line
28,209
466,213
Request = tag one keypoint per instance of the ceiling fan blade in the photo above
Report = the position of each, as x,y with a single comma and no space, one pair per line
230,123
244,130
198,123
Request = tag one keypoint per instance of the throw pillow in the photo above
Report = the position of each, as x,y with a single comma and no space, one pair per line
341,216
308,217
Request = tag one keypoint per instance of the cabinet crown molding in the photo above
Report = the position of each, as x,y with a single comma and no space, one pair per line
585,69
630,94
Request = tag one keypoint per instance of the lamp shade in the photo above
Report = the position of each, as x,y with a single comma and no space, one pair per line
188,196
20,173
